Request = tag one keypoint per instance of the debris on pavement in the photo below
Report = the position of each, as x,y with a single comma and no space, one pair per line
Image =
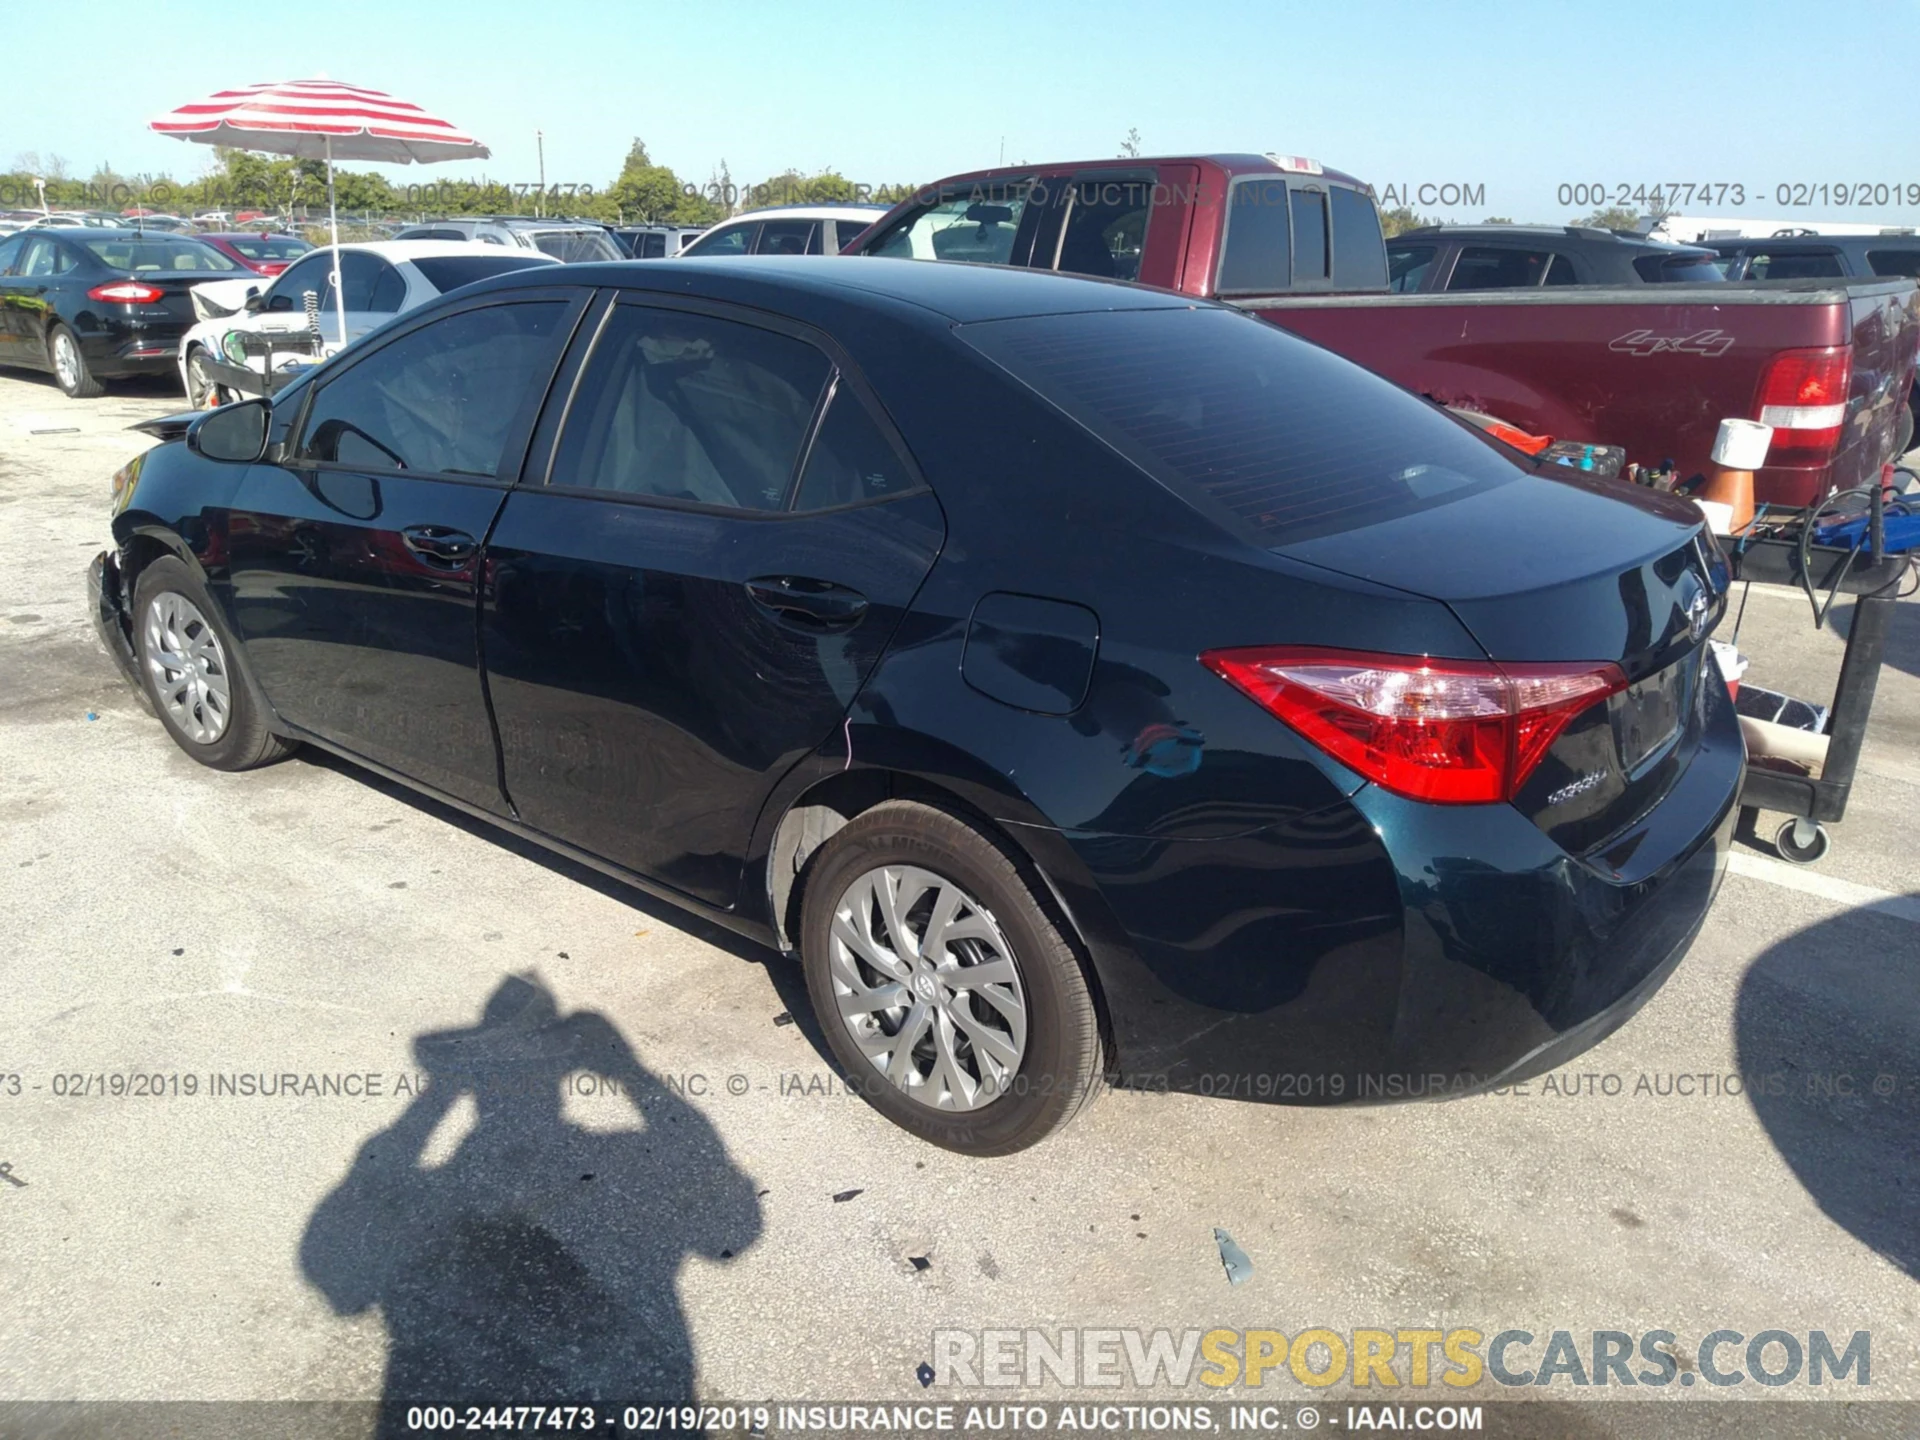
920,1262
925,1374
783,1018
846,1195
1239,1267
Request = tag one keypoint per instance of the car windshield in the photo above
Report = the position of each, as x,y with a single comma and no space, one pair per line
1272,435
157,254
450,272
270,247
575,245
967,222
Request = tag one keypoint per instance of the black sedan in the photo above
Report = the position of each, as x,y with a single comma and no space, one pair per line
1084,682
92,304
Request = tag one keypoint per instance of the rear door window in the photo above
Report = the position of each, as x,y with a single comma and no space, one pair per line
1106,225
850,460
1489,267
789,237
370,284
846,231
726,240
1560,272
442,399
1408,266
1796,265
1894,262
689,408
1257,255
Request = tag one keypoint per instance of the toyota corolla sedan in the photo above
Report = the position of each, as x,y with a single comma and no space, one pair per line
1084,683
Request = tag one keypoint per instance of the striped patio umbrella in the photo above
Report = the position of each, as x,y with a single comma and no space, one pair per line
321,120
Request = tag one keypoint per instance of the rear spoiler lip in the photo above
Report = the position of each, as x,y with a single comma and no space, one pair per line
168,427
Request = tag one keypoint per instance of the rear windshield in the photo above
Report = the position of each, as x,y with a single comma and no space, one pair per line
1679,269
450,272
1270,434
270,247
157,254
573,245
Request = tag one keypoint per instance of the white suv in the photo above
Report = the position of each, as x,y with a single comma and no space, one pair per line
788,230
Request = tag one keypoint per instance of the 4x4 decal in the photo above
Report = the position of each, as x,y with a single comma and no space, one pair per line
1645,342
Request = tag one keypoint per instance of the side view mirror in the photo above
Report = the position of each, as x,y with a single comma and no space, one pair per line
280,302
234,433
252,303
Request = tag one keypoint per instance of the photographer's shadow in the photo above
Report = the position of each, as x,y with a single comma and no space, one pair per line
538,1263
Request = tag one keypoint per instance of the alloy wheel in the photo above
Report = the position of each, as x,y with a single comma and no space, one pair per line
189,667
66,359
926,984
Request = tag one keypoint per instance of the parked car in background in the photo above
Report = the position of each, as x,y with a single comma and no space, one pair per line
1819,257
808,596
655,242
571,242
787,230
1651,369
260,251
90,305
379,280
1438,258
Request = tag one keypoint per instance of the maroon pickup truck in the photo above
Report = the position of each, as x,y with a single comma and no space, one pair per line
1653,369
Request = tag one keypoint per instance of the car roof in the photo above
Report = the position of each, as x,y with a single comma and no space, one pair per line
949,292
1578,234
398,250
246,235
868,213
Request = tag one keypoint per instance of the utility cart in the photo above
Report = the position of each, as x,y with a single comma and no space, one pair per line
1815,802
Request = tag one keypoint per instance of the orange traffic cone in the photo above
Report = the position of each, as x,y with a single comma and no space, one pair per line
1738,450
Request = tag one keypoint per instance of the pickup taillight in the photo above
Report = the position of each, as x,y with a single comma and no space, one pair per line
1803,395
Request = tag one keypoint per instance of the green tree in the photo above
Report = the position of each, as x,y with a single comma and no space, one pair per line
1130,147
1498,220
1614,217
653,194
791,187
1401,219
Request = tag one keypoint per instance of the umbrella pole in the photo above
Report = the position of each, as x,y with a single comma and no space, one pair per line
333,224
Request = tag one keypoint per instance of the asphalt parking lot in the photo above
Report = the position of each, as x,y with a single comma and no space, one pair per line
227,931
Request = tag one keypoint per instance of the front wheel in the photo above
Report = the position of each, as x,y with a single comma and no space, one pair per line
1802,841
192,671
946,991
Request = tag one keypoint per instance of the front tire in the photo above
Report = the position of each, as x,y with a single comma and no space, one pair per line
200,384
191,669
945,989
69,364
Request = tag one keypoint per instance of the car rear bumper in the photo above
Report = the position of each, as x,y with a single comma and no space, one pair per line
132,347
1406,950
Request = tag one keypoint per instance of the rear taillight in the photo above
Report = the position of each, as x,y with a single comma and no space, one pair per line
126,292
1803,395
1454,732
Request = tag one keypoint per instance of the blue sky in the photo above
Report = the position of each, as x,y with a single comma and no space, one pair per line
1515,99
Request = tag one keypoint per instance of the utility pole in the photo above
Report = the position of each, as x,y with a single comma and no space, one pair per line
540,144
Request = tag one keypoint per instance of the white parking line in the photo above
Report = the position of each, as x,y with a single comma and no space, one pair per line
1812,882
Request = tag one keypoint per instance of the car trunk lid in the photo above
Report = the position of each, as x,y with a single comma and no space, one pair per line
1571,570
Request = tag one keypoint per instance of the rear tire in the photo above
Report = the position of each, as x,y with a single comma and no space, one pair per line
1001,1039
69,365
192,671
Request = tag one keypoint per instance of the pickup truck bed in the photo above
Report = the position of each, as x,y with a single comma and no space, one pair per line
1652,369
